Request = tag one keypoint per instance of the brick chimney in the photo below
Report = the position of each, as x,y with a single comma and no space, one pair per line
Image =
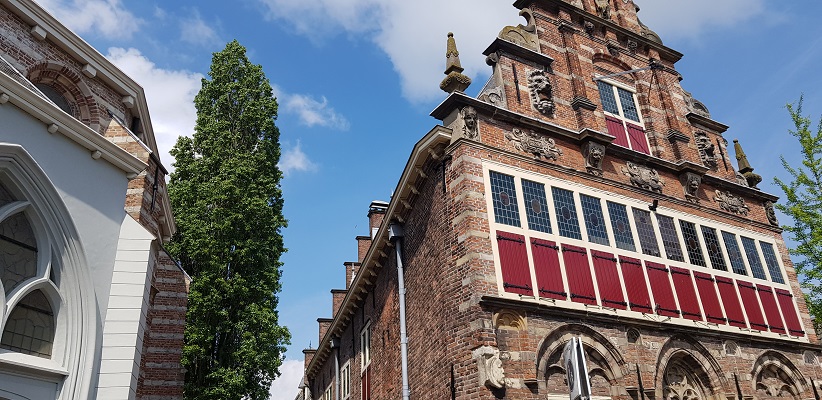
338,296
324,323
309,355
363,244
376,213
351,269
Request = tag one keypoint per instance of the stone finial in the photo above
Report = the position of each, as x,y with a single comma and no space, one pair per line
454,78
745,167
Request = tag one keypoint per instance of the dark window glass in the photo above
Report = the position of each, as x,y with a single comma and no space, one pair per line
505,199
753,258
566,210
629,111
30,327
645,230
773,264
692,245
536,206
594,220
55,97
606,96
733,253
670,239
714,251
621,227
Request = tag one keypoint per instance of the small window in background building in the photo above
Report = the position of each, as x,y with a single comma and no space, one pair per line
536,206
621,226
365,346
345,381
594,220
566,210
504,196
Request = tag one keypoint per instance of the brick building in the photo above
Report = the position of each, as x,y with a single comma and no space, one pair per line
583,193
92,307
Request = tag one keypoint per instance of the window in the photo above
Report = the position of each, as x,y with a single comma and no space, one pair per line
345,381
622,117
30,327
733,253
714,251
621,226
645,229
753,258
365,346
670,239
329,393
566,210
773,264
692,243
505,199
594,221
536,206
58,99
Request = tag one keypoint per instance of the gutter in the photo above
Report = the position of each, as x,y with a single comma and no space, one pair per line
395,235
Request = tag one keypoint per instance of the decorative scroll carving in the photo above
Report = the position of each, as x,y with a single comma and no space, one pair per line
690,184
489,364
695,106
740,179
523,35
772,384
770,213
509,319
604,8
731,203
707,150
680,384
538,145
493,96
542,97
644,177
594,153
470,125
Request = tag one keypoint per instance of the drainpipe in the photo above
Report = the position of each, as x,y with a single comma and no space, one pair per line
395,234
335,345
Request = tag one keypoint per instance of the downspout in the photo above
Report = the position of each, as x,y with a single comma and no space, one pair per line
335,345
395,235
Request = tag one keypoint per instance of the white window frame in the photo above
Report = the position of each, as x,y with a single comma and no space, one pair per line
621,116
345,381
365,347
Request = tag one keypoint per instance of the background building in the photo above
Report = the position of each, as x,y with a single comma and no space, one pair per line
583,193
92,305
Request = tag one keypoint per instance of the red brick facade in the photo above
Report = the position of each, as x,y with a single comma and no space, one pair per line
466,325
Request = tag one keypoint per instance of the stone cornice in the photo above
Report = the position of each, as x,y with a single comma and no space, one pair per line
698,120
511,48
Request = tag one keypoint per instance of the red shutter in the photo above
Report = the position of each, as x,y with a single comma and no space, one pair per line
546,266
513,259
789,311
610,289
710,301
616,129
639,141
580,283
686,294
747,292
661,287
635,285
731,302
770,308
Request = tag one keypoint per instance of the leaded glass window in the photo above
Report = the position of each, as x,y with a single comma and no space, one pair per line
670,238
646,233
594,220
5,196
771,261
18,251
714,251
626,98
692,245
753,258
734,253
504,197
621,226
566,211
606,96
30,327
536,206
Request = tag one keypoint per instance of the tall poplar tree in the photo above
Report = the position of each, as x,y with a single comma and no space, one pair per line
225,192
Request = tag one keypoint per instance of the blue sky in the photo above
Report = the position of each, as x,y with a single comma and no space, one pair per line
356,80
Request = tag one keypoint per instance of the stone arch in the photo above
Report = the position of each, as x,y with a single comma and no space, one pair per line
620,66
704,375
606,365
68,83
775,376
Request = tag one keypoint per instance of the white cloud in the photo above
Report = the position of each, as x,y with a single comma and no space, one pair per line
309,110
285,387
294,159
413,36
105,17
169,93
196,31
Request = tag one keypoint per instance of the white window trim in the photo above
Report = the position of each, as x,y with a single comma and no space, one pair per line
365,352
345,381
621,116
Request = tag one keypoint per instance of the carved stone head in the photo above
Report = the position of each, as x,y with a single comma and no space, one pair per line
594,153
771,213
690,184
470,125
542,97
604,8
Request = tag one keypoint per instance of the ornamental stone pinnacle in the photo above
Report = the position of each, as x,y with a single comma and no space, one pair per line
745,167
454,79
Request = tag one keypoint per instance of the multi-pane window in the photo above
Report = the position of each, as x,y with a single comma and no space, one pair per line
670,239
753,258
365,346
606,96
734,254
505,199
626,100
30,327
329,393
714,251
622,117
536,206
770,260
594,220
566,211
692,245
645,231
621,226
345,381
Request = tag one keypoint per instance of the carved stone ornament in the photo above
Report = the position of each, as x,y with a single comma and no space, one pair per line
576,3
690,184
773,384
536,144
523,35
470,125
631,45
542,97
681,384
509,320
489,364
594,153
603,9
707,150
493,96
731,203
589,27
771,213
740,179
644,177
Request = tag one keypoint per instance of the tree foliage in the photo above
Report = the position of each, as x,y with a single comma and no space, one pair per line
803,203
225,192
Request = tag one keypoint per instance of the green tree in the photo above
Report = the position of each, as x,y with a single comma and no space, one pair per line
225,192
803,203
